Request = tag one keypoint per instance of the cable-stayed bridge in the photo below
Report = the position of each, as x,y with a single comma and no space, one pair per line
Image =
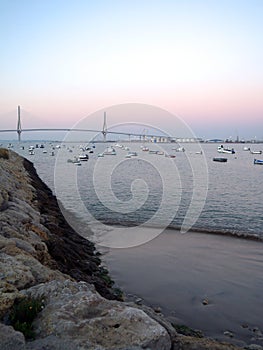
104,131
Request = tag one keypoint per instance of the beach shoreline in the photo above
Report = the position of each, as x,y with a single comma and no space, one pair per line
207,282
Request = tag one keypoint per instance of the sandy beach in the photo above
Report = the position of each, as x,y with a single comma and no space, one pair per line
182,272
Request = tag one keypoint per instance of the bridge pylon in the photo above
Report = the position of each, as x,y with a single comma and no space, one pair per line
104,128
19,127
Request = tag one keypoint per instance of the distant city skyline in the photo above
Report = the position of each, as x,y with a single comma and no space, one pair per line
200,60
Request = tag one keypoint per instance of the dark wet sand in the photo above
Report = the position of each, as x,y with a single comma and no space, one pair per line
178,271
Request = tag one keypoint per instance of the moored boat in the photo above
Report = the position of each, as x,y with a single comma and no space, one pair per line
258,161
179,149
220,159
255,152
222,149
83,157
133,154
110,151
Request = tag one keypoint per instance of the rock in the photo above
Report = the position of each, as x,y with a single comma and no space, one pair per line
77,313
254,347
8,294
10,339
228,334
23,271
138,301
191,343
157,309
51,342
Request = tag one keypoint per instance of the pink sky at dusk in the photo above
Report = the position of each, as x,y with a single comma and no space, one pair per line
199,60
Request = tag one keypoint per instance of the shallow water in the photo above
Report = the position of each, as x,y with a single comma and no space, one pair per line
178,271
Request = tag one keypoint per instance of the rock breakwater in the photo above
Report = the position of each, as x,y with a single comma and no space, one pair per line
43,258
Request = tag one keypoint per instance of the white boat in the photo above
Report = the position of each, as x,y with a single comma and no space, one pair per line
179,149
256,152
100,155
83,157
246,148
133,154
110,151
222,149
76,161
118,145
144,148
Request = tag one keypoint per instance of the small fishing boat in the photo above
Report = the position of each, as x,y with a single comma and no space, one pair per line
256,152
76,161
133,154
145,149
246,148
83,157
118,145
220,159
179,149
258,161
222,149
110,151
90,150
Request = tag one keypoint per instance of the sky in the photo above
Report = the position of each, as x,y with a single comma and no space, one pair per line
200,60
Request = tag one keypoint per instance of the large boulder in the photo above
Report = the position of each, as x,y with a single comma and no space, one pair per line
10,339
77,314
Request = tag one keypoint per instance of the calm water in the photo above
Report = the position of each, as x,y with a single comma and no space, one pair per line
133,190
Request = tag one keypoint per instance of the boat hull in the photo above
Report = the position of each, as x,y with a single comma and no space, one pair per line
258,161
220,160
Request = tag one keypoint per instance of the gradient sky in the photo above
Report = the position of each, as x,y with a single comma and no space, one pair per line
201,60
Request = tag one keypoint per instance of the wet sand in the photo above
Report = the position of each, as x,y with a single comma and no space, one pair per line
178,271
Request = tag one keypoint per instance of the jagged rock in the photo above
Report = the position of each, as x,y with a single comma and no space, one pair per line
254,347
23,271
10,339
77,313
192,343
8,294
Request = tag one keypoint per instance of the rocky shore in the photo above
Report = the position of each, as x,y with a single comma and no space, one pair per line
54,291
